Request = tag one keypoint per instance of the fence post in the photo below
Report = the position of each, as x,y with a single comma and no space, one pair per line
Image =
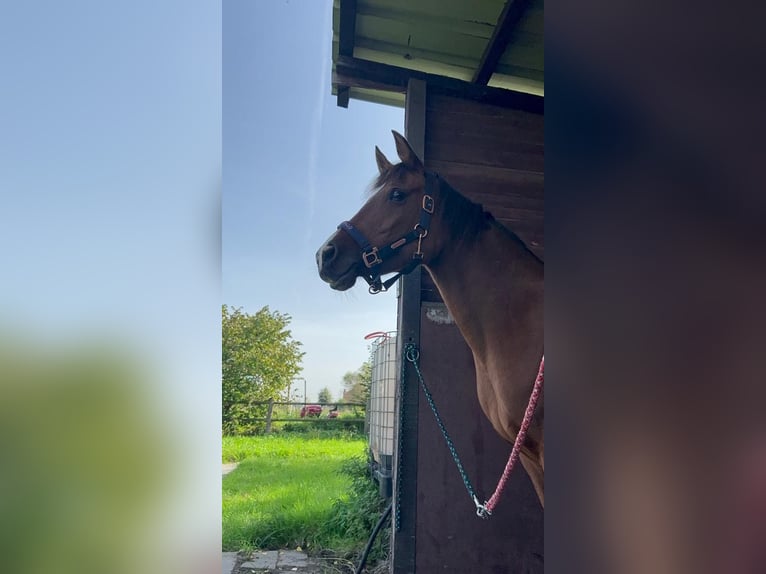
268,416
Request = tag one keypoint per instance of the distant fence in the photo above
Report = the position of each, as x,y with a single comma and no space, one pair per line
321,419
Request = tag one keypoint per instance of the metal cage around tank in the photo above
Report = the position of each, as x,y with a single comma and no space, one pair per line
384,363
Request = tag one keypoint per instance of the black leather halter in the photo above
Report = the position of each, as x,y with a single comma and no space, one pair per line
373,257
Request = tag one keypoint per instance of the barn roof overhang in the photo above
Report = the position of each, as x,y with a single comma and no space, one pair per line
491,50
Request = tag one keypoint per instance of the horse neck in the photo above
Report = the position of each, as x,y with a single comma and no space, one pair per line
493,288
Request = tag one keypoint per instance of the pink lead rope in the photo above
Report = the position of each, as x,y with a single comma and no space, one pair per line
485,510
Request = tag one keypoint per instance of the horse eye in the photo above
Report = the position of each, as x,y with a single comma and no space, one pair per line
397,195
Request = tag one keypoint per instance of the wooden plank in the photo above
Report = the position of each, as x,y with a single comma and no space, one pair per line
525,61
393,99
443,109
397,78
499,128
343,96
415,115
427,40
469,150
447,104
347,28
465,126
493,196
533,21
451,538
475,134
519,181
403,540
269,411
510,16
483,133
339,79
346,35
476,18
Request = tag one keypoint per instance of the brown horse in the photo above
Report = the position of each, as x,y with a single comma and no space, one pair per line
490,281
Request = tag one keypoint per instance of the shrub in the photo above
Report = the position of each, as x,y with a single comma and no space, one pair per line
354,517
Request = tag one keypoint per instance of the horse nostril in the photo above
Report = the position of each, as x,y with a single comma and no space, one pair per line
327,254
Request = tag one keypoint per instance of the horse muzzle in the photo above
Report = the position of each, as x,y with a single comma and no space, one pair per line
335,269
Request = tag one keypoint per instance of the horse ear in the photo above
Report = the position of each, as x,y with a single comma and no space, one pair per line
406,153
383,163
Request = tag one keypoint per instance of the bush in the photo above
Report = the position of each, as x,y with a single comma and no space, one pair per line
322,428
353,518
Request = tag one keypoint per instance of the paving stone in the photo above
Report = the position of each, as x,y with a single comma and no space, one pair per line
228,561
292,558
262,560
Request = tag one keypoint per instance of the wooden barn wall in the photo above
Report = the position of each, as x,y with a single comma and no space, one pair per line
494,156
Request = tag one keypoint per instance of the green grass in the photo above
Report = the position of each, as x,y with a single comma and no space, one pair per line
286,490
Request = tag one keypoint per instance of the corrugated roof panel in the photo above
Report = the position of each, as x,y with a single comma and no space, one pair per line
447,38
478,11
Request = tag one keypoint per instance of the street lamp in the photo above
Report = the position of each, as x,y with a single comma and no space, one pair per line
295,395
304,388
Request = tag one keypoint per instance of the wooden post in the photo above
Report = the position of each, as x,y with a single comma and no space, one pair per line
406,448
268,416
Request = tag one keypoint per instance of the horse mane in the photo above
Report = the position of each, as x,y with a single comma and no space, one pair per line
466,219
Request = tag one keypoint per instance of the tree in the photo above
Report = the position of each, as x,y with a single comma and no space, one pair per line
357,384
259,360
325,396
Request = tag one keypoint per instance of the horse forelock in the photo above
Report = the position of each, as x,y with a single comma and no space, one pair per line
395,173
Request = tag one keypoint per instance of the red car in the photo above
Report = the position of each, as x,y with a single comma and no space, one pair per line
311,411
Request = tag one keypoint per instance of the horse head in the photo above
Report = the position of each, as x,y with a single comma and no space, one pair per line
388,234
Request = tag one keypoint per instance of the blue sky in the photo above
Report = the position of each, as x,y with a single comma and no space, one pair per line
112,157
296,165
110,186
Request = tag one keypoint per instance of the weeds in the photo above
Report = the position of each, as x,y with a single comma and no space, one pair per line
353,517
295,490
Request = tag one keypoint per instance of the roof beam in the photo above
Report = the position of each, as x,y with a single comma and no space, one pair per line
509,18
354,72
346,37
347,27
344,94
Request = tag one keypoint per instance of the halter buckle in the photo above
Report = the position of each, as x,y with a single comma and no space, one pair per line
428,204
419,253
371,258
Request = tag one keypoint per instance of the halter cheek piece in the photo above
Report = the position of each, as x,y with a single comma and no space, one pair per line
373,257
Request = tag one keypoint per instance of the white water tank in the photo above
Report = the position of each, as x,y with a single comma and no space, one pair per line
385,369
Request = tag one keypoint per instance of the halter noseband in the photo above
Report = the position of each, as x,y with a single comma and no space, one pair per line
373,257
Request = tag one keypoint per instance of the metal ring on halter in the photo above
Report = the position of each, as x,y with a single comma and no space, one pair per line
412,354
